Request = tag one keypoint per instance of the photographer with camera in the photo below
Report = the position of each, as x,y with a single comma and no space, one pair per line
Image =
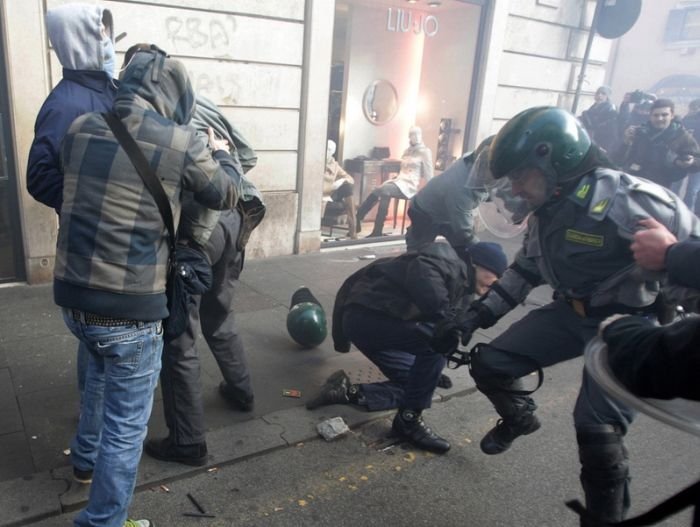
660,150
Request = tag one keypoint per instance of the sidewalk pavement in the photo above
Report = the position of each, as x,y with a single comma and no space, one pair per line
39,399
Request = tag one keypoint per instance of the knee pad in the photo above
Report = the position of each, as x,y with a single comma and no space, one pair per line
602,453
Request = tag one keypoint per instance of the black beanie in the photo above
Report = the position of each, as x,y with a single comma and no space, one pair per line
490,256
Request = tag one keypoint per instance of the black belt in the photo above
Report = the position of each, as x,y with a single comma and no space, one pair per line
584,309
92,319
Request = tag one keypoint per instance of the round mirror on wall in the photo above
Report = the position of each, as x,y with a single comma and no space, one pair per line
380,102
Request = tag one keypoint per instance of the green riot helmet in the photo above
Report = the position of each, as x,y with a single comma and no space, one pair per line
547,138
306,320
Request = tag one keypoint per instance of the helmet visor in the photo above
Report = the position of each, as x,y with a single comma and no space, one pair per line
480,176
513,209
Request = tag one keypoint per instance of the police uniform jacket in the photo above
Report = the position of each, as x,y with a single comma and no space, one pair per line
426,285
451,199
579,245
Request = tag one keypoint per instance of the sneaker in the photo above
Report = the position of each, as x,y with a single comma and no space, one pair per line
82,476
139,523
164,450
409,425
334,391
240,403
501,436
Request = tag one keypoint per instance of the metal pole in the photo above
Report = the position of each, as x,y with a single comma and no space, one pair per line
584,63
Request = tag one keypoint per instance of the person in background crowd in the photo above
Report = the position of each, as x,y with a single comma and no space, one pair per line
661,150
377,309
634,110
584,214
416,164
601,120
446,205
111,265
692,124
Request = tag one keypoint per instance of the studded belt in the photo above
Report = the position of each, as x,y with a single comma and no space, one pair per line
92,319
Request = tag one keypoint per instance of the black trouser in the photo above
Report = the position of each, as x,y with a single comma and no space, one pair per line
383,195
401,353
547,336
182,395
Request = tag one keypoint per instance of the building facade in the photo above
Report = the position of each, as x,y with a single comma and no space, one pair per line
293,73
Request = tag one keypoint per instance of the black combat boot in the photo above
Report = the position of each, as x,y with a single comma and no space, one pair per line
409,425
604,474
336,390
517,416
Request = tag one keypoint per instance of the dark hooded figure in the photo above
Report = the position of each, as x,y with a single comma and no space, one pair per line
601,120
111,264
82,36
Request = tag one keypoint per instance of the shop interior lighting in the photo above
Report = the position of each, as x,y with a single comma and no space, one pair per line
434,3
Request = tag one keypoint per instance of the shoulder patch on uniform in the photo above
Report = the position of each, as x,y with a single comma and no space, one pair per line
651,189
600,206
582,193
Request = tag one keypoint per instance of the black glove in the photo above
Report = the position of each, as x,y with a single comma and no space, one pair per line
467,324
445,337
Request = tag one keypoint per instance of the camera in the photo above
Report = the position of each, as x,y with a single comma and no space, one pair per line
638,96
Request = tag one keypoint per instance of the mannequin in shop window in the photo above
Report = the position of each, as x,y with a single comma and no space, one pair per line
338,186
416,163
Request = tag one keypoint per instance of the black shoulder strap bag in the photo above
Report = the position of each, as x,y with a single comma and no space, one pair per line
189,272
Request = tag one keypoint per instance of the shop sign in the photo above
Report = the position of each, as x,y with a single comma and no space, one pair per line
402,20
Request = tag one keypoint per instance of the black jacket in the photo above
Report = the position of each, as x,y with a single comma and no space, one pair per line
652,154
655,361
601,122
427,285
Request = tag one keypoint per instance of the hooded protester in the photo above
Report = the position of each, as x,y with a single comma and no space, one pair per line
216,234
112,259
82,36
379,309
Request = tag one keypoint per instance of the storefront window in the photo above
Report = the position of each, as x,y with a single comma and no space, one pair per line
400,87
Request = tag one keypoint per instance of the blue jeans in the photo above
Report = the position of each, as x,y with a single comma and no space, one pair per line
121,376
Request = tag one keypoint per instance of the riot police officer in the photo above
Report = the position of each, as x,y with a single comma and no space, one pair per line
584,215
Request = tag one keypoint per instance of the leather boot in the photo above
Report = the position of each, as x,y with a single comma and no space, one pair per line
517,416
604,474
409,425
